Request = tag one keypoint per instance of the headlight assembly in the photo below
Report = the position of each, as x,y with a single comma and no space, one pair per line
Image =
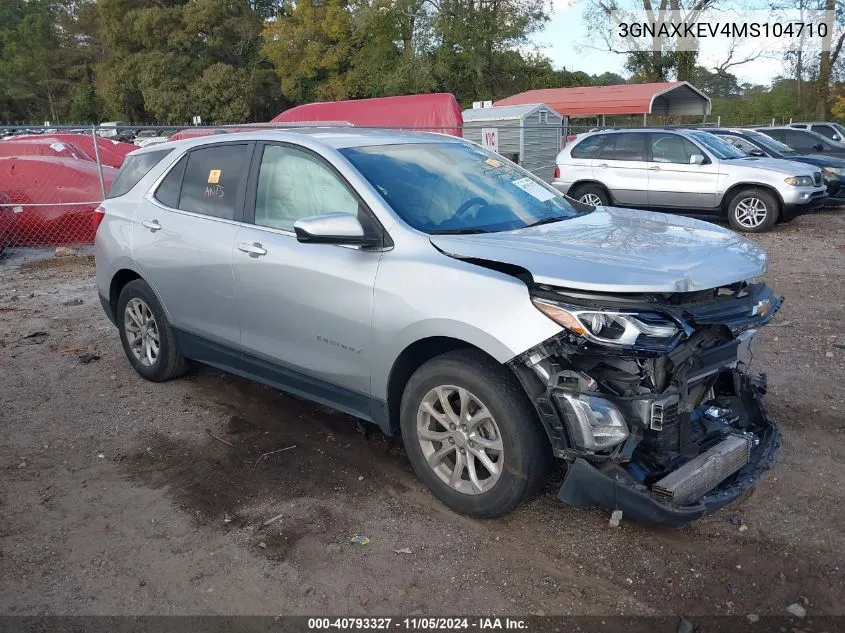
799,181
609,327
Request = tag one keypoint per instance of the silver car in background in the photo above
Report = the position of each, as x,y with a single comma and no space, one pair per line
427,285
687,171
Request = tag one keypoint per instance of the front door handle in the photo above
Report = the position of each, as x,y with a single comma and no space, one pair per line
655,168
153,225
602,165
253,250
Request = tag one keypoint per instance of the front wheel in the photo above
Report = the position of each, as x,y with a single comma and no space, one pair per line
753,211
471,434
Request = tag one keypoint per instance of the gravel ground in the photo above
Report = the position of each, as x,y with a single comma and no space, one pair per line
119,496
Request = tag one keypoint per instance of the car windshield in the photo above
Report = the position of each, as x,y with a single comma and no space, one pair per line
769,143
717,146
453,187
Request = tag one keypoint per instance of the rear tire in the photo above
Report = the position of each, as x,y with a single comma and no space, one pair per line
592,195
463,412
146,334
753,211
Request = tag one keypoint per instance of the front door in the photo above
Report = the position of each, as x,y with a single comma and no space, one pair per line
305,307
675,181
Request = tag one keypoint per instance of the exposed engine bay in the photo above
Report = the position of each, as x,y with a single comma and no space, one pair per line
650,399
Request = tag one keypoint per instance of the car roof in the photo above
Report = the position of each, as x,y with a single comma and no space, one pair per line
335,137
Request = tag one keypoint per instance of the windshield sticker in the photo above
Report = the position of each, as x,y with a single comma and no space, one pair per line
493,162
214,176
534,189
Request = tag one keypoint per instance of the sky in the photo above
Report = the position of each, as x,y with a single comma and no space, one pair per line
565,41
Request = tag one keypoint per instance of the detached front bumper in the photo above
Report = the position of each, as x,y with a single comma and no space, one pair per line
588,485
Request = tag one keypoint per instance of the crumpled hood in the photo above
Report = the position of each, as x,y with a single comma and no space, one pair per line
619,250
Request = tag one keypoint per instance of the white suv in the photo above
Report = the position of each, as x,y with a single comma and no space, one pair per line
687,171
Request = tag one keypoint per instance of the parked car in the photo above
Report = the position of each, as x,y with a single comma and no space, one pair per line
434,288
686,171
757,144
833,131
804,141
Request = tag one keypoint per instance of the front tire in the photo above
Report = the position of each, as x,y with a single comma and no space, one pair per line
472,435
146,334
753,211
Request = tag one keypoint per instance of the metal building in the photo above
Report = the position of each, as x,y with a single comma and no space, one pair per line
529,135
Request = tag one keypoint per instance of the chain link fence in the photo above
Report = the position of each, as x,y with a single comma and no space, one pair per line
53,178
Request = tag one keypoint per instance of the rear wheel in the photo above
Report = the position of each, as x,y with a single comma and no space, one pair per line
471,434
593,195
753,211
146,334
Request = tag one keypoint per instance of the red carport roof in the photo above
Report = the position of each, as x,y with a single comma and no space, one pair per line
673,97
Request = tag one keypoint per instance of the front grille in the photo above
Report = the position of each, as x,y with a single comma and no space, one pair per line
700,475
817,178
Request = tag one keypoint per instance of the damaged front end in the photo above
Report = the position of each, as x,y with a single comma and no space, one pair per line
649,399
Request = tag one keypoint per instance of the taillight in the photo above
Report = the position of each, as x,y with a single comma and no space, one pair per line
97,217
557,172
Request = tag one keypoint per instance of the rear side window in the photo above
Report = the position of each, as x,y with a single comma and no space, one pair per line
134,168
588,148
624,147
210,183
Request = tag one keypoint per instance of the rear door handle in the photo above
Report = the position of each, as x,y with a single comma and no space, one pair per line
253,250
153,225
602,165
655,168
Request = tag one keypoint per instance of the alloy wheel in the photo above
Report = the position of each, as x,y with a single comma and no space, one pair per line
592,199
141,332
751,212
460,439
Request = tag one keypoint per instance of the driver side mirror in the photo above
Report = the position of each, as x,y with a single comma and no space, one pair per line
333,228
697,159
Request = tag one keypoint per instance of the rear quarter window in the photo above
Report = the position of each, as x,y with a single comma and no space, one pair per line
134,168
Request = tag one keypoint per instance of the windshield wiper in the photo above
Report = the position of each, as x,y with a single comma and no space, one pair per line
556,218
463,231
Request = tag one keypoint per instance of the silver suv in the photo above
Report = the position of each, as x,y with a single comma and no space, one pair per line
687,171
425,284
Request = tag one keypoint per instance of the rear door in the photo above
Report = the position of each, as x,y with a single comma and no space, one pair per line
674,181
307,308
183,235
621,166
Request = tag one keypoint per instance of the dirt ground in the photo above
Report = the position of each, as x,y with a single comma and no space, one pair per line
119,496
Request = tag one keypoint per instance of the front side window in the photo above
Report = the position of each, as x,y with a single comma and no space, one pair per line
624,147
826,131
293,184
588,148
671,148
453,187
211,181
